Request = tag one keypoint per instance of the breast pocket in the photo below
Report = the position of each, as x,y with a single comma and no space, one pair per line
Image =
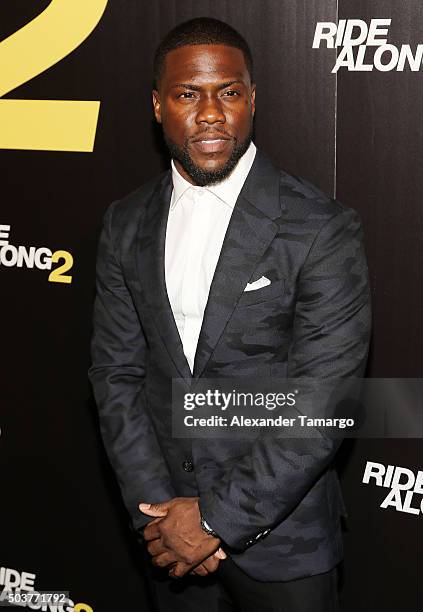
257,296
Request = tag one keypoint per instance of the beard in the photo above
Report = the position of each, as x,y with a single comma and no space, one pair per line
203,177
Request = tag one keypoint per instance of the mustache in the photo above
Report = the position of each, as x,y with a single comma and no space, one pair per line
211,132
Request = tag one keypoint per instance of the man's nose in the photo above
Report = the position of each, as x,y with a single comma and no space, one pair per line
210,111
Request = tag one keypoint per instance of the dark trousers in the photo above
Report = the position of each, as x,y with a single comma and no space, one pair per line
229,589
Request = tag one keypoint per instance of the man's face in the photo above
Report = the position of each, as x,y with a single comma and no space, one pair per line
205,103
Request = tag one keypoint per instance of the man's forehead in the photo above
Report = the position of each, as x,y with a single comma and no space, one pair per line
200,62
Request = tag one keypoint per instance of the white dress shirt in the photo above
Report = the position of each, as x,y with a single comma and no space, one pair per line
196,226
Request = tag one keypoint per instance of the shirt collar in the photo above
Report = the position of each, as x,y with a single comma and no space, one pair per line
227,190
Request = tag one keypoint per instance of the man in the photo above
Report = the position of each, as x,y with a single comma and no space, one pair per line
224,267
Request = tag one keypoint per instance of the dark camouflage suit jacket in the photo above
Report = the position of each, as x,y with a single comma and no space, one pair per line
276,503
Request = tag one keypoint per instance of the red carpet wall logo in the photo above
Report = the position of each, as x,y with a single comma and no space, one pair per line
48,125
406,487
41,258
351,34
18,589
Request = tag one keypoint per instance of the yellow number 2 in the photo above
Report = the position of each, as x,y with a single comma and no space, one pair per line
57,275
49,125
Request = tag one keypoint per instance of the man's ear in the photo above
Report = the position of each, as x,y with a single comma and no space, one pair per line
157,106
253,98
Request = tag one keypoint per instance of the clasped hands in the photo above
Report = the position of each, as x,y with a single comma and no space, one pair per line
176,539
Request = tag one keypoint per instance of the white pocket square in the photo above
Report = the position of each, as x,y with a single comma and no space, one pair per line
258,284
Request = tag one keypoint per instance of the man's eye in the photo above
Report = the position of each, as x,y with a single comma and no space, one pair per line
231,93
186,94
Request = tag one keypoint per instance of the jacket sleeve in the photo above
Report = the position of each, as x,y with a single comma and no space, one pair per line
119,356
331,332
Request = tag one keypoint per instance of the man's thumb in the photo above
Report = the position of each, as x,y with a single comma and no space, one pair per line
153,509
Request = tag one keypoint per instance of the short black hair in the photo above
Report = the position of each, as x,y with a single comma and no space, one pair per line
200,31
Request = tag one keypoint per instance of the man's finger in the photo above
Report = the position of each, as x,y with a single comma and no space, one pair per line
155,547
179,570
220,554
200,570
211,564
154,509
164,559
152,531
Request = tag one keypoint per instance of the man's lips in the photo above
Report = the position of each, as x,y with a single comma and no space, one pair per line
211,143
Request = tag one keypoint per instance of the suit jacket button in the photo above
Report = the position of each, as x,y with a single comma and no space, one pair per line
188,465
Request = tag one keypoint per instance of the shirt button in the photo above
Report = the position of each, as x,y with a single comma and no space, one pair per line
188,465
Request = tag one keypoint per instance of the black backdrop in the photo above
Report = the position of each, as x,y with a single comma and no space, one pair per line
356,135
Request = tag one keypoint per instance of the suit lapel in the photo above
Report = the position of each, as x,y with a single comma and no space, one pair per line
151,271
250,231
